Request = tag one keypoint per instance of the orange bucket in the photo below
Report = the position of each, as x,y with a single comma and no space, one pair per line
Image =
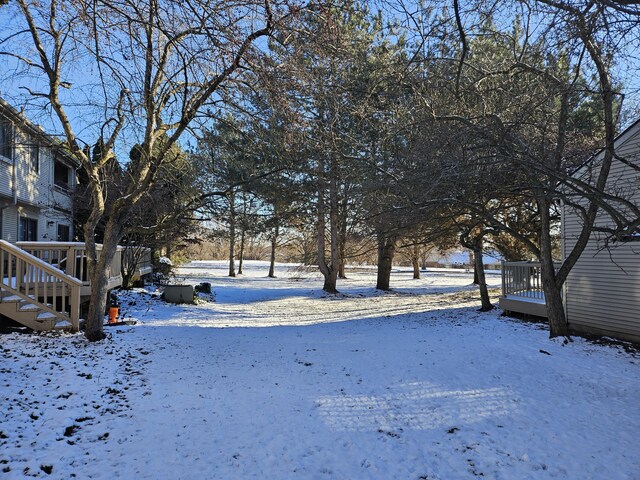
113,314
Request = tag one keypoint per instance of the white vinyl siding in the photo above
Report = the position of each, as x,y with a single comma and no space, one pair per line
35,179
9,223
603,289
27,180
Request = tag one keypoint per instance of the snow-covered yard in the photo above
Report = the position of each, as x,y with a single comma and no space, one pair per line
276,380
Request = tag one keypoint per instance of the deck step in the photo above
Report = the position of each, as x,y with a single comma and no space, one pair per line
6,293
28,307
11,299
63,325
24,297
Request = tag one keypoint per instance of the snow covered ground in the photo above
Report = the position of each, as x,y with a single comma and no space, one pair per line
277,380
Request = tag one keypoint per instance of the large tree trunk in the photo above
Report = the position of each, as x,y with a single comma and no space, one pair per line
558,325
342,254
243,231
482,280
97,307
552,288
331,280
232,236
99,273
342,238
241,253
272,259
309,249
476,277
415,261
329,270
386,251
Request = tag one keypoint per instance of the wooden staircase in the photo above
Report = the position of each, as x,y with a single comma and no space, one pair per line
35,293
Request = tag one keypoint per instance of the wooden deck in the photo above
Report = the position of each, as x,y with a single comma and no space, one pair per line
42,284
522,289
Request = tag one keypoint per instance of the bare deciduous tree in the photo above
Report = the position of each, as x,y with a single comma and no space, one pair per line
152,65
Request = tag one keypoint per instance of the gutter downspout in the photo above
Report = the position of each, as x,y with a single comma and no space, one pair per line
14,173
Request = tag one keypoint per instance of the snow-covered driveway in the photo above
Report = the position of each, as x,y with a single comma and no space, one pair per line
294,384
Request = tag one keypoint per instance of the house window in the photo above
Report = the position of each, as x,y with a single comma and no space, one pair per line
28,231
64,233
5,140
33,157
61,175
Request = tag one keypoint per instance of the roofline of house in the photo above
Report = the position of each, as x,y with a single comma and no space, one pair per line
621,138
19,118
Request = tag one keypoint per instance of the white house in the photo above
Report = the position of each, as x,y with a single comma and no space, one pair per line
36,182
39,286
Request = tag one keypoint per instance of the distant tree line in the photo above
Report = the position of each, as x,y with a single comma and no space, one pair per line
435,128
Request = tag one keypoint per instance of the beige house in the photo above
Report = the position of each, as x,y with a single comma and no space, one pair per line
602,292
36,182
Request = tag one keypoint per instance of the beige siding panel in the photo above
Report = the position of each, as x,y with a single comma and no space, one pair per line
613,265
613,290
609,330
614,261
43,231
45,178
588,312
587,319
613,274
34,187
630,147
599,294
5,179
10,224
60,198
48,223
584,313
585,292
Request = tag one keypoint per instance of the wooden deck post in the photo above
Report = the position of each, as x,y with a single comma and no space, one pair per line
75,308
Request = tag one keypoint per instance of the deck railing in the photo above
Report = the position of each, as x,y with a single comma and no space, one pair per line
522,279
70,257
40,284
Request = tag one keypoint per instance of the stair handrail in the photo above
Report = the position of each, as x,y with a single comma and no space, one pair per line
73,283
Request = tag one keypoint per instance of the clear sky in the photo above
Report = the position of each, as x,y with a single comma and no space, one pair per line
87,117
